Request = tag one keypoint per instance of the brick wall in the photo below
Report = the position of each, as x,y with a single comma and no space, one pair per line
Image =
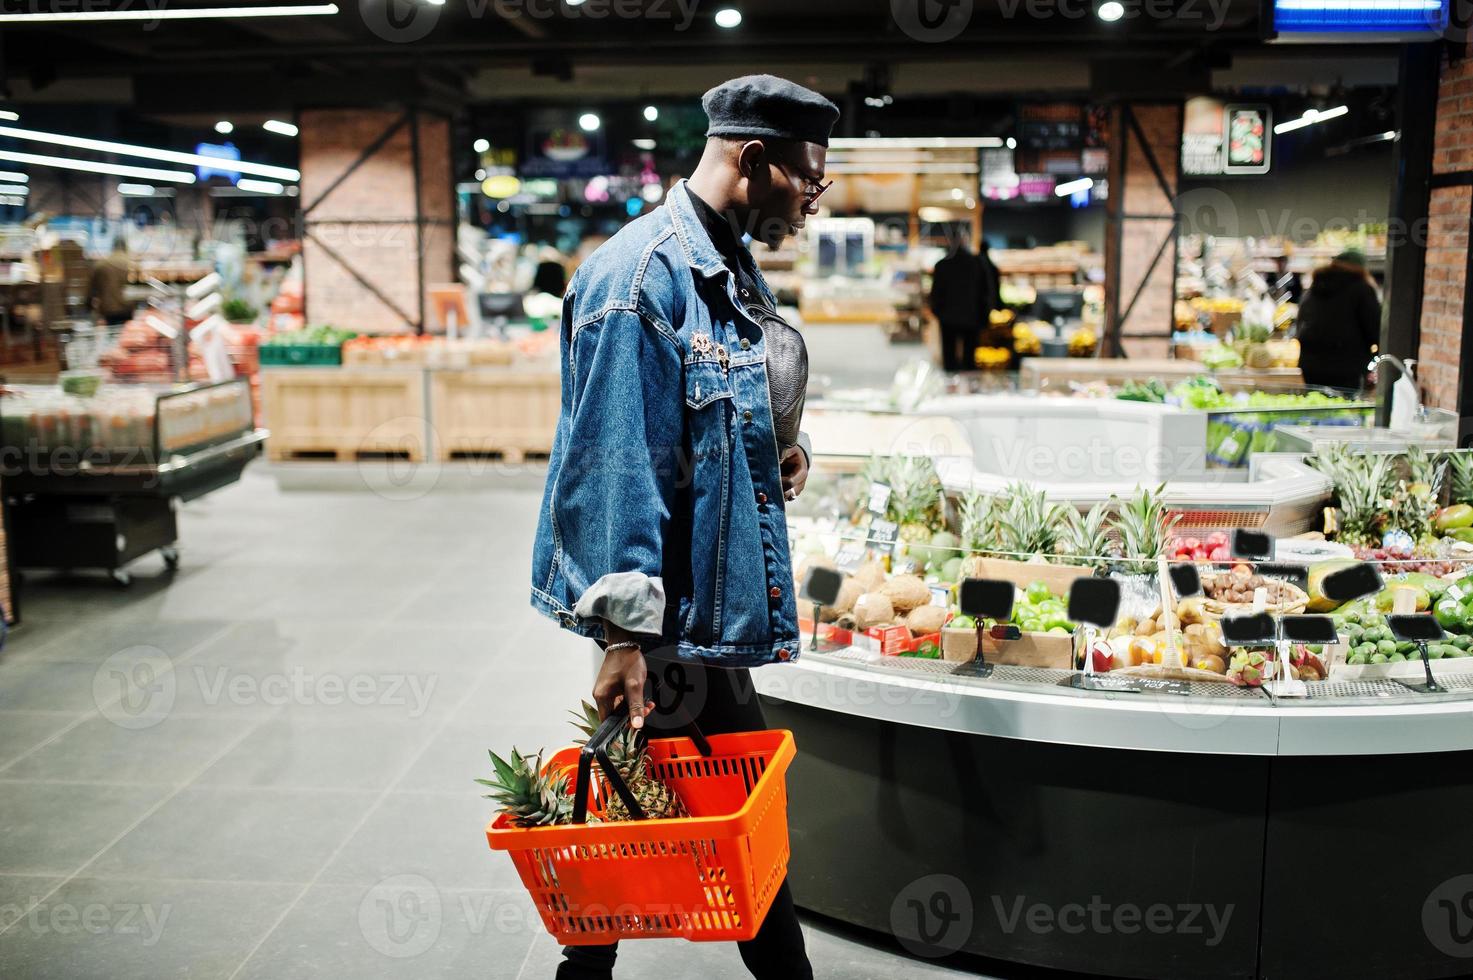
1445,279
366,223
1136,191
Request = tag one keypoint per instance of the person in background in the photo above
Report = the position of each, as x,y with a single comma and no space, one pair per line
1339,323
959,290
109,281
550,278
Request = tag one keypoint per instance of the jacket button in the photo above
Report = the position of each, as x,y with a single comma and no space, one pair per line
775,592
746,416
746,344
784,654
761,498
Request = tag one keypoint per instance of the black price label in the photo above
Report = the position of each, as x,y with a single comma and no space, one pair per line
879,498
883,534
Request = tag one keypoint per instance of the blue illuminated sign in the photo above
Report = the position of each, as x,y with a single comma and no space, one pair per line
219,151
1360,16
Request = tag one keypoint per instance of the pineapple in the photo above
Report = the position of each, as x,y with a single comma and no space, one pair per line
1416,498
915,497
1362,485
1086,537
531,797
1460,465
628,757
978,512
1144,526
1028,524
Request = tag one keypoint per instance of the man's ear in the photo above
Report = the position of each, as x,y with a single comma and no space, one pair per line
750,157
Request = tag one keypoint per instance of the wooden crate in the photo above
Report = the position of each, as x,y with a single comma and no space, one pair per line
494,411
348,412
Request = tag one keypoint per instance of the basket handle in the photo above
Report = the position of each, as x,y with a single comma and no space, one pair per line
597,747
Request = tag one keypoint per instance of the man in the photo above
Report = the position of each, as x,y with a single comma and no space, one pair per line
1339,323
662,531
960,301
109,281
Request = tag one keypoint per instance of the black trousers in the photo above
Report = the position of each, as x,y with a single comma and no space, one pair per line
721,701
957,343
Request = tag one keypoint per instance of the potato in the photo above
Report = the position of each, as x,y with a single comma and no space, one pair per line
925,619
873,609
1168,621
1145,627
906,592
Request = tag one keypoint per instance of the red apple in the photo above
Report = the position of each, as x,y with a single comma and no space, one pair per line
1103,658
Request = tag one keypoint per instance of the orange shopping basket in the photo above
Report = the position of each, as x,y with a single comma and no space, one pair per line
707,877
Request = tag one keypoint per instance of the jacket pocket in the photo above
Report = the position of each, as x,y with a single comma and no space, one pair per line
705,382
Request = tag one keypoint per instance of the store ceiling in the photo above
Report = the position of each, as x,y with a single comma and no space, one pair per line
466,51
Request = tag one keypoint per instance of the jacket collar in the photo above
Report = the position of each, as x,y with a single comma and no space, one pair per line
691,233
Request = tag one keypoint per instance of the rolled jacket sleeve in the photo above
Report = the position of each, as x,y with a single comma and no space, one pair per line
616,488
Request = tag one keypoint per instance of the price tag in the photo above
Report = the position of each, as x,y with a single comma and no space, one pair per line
1228,448
905,567
940,596
882,535
850,556
1455,593
1130,685
879,498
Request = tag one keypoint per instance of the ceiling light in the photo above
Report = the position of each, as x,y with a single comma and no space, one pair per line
136,190
957,193
574,3
651,113
913,142
148,152
1073,186
1110,11
1310,117
198,13
13,176
260,186
480,173
435,3
7,114
728,17
481,145
281,129
14,189
1012,144
643,144
94,167
588,122
224,127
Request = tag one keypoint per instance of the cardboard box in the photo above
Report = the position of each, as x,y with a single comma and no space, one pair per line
1023,574
1052,650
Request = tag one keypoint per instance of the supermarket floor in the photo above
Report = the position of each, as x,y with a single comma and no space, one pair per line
261,768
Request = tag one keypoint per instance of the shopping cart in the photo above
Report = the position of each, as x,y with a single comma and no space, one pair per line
707,877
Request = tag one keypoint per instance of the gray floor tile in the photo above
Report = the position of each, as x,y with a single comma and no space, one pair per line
441,838
264,646
99,750
219,834
94,642
112,929
287,752
458,754
401,927
50,828
58,686
21,731
19,892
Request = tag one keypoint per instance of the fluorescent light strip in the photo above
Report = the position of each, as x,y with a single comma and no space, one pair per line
7,114
915,142
206,13
14,176
94,167
279,128
14,189
136,190
149,153
1308,119
259,186
1073,186
1357,6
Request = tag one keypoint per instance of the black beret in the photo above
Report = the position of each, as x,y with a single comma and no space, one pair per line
765,105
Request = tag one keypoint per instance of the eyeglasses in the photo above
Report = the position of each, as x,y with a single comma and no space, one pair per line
813,187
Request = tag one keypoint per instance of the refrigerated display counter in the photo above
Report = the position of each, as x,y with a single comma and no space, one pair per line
1131,834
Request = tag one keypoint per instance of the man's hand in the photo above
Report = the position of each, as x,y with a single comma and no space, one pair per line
794,466
620,681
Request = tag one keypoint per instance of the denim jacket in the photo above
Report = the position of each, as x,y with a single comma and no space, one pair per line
663,510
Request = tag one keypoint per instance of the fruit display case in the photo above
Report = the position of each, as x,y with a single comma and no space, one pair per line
1181,770
93,480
